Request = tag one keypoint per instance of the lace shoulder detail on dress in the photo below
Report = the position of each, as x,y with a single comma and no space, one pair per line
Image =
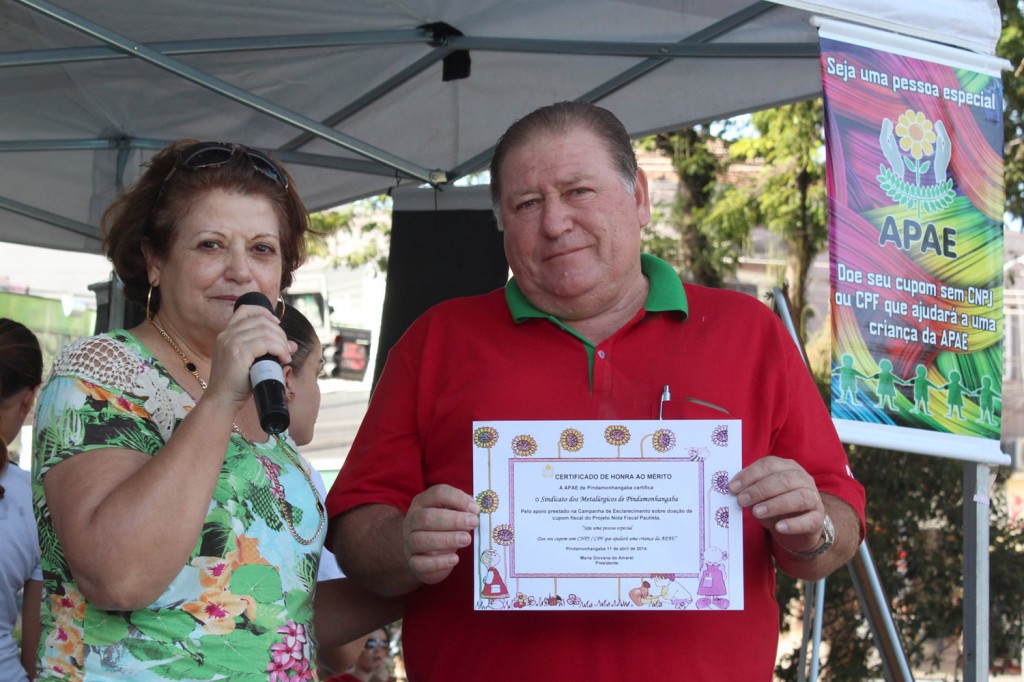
101,360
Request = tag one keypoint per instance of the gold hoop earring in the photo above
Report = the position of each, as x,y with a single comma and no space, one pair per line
149,298
281,305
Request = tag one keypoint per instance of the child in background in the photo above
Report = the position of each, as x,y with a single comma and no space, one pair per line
21,373
372,662
303,393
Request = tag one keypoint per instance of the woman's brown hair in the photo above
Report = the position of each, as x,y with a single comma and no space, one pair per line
151,210
21,366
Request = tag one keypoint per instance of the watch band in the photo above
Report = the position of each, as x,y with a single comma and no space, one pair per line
828,538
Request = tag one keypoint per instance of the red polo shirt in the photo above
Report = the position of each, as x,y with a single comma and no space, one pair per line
496,357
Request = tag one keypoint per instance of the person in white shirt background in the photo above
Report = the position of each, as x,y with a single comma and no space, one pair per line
21,370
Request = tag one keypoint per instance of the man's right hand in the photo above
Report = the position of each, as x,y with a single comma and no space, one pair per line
440,521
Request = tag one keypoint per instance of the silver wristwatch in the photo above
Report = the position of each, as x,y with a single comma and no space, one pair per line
828,538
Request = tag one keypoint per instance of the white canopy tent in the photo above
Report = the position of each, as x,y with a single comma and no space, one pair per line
359,96
351,93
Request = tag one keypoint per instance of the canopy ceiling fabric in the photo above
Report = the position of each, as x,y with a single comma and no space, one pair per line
352,94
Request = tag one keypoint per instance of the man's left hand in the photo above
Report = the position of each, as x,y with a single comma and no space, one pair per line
784,499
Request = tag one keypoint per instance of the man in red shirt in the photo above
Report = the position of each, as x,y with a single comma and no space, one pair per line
588,328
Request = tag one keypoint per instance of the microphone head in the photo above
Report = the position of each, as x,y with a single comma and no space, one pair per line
254,298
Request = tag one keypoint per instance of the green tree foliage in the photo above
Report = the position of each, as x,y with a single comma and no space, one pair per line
789,195
703,252
372,236
1011,47
915,533
323,225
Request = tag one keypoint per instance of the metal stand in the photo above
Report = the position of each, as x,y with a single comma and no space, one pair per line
874,605
814,592
876,609
865,582
977,482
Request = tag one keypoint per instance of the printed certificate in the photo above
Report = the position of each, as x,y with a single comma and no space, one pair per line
607,515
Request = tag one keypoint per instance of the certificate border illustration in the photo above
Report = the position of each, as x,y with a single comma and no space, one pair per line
710,578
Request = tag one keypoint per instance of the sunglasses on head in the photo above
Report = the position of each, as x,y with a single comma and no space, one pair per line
212,154
375,643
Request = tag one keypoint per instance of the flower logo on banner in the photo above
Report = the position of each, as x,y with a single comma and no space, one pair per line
929,149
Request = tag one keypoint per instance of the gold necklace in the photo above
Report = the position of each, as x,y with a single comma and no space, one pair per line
286,512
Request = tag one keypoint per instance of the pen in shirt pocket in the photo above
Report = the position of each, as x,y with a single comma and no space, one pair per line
666,396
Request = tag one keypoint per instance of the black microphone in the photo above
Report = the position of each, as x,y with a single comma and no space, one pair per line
267,378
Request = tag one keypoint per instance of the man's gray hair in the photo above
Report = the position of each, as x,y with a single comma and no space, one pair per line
560,118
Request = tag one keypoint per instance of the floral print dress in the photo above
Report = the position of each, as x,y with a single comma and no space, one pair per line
241,608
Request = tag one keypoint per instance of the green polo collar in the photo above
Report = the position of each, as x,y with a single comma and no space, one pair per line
666,293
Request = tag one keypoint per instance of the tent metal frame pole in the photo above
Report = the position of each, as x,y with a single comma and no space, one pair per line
874,604
50,218
819,614
646,66
977,485
221,87
814,592
805,634
96,53
862,569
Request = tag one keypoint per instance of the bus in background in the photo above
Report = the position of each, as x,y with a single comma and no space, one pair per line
351,353
346,349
